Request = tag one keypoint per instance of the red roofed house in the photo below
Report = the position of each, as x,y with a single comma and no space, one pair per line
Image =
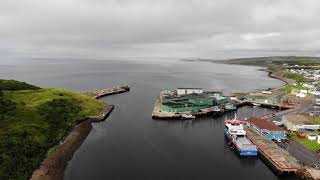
267,129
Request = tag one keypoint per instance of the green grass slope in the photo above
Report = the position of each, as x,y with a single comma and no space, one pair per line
33,120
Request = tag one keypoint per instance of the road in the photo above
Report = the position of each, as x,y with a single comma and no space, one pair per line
302,154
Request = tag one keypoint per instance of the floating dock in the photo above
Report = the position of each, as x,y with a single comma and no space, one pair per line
279,159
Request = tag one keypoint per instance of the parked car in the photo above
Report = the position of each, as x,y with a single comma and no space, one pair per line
278,123
287,140
316,166
302,133
277,140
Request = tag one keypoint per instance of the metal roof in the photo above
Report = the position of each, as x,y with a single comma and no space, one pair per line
264,124
190,88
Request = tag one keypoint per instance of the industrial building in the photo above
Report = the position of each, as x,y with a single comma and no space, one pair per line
185,91
266,128
190,100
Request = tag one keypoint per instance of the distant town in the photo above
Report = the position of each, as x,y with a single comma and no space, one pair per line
288,139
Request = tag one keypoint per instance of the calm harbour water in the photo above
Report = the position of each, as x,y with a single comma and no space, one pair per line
129,144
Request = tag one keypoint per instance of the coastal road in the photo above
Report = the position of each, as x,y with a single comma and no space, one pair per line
302,154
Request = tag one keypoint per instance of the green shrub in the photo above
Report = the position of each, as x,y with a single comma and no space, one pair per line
297,77
12,85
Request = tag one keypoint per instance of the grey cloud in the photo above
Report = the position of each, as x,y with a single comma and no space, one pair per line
167,28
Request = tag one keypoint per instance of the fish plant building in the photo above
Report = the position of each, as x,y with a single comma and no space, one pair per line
191,100
266,128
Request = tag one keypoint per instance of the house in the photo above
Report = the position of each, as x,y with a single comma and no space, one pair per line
294,122
317,100
307,85
314,111
315,93
185,91
302,93
266,128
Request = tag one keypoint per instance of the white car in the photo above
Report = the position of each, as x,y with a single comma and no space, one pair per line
278,123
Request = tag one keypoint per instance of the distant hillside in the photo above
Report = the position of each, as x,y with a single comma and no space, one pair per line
264,61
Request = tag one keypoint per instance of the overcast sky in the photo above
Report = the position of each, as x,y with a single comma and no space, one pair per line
215,29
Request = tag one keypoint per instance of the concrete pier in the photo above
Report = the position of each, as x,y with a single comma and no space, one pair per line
265,105
276,157
109,91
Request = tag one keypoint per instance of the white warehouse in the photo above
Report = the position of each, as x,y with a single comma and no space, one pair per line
185,91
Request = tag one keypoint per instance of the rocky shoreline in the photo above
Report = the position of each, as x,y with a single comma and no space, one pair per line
278,75
52,168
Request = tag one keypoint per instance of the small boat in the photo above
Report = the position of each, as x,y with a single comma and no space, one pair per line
256,104
230,107
187,116
278,123
236,137
216,109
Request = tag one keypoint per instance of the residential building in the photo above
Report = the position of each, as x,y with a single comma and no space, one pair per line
317,100
294,122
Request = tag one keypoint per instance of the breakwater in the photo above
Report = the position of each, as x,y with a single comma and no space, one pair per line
109,91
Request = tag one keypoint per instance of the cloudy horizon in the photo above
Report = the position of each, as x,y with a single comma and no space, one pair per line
215,29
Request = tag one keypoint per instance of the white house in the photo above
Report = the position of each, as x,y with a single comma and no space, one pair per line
302,93
308,85
317,100
185,91
315,92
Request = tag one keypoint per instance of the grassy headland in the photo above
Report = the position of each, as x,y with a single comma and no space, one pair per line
33,120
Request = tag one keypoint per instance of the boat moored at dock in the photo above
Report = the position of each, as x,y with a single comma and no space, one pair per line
236,137
187,116
229,107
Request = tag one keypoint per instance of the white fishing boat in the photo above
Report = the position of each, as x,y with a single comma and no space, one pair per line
187,116
236,137
256,104
216,109
230,107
